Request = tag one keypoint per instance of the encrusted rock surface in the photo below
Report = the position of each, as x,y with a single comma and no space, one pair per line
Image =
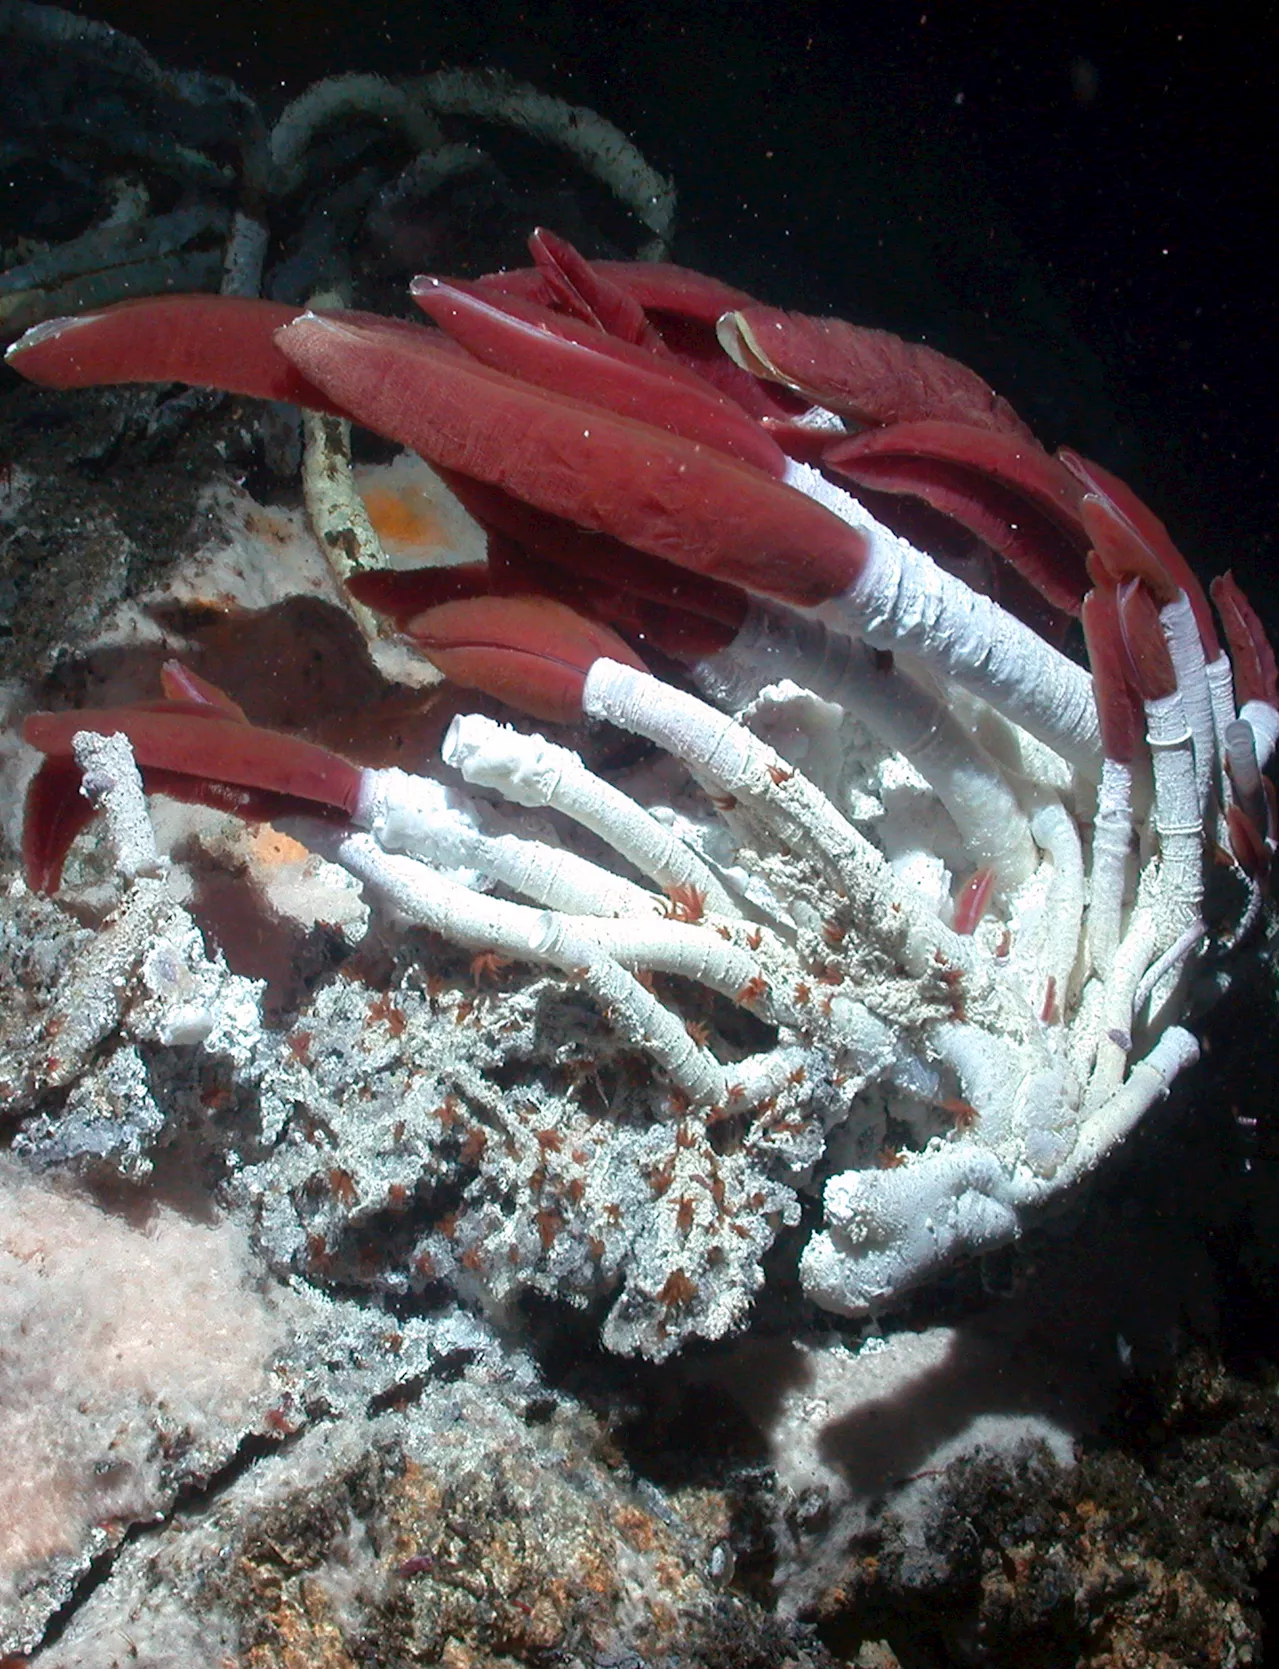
465,1530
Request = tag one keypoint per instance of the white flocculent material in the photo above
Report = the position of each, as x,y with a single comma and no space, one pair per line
774,644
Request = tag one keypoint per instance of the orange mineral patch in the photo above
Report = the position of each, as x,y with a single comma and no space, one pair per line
405,517
272,847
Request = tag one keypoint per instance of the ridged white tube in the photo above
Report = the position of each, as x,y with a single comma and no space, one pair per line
1112,843
904,601
1178,623
1180,883
1057,834
419,815
534,772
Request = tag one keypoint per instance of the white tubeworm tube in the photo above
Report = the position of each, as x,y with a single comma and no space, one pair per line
534,772
673,947
1222,706
889,1230
903,601
113,783
1166,963
479,922
1174,1051
1180,880
1246,779
1112,843
1182,634
1057,834
1264,721
419,816
1114,1013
